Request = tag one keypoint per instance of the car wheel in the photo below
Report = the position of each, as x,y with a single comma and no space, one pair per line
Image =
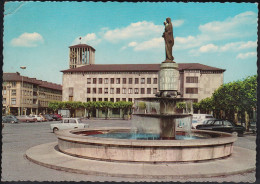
55,129
235,133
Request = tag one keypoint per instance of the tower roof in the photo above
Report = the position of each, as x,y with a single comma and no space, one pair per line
82,46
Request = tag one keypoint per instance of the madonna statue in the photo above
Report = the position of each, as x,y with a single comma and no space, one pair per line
169,40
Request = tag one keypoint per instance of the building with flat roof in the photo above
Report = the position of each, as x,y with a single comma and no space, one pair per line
25,95
87,81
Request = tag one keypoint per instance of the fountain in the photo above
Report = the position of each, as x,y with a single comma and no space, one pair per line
154,136
156,145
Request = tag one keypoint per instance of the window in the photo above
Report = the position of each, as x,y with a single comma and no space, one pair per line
94,80
13,84
88,99
218,123
94,99
154,90
124,90
99,90
13,101
88,90
142,80
111,99
117,90
94,90
106,99
100,99
155,80
191,90
112,80
4,100
118,80
4,90
130,99
136,81
149,90
142,90
191,79
70,91
111,90
130,81
88,80
13,92
106,80
149,80
227,123
124,80
106,90
130,91
124,99
117,99
136,91
100,80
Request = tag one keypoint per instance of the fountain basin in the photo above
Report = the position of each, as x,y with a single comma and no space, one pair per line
76,143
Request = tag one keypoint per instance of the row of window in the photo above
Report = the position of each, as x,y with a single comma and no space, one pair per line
13,101
124,90
119,80
110,99
192,79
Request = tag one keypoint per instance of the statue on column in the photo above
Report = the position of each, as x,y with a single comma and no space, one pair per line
169,40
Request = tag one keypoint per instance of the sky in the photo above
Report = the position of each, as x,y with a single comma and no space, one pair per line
37,35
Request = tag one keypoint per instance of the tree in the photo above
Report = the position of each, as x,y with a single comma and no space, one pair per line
55,106
124,106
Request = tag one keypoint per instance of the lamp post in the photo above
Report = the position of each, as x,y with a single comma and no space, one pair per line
22,67
9,106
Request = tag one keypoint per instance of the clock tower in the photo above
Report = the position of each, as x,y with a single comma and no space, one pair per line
81,55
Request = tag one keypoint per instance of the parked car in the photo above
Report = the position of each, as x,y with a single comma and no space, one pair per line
222,126
58,116
199,119
38,117
252,127
25,118
48,117
54,117
68,123
9,119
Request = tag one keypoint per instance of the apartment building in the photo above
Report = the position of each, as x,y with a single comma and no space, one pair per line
25,95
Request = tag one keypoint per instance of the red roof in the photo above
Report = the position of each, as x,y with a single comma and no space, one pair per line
8,77
138,68
82,46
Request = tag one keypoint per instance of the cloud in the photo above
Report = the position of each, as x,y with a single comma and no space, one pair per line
150,44
239,26
132,44
208,48
90,39
134,30
177,23
27,40
246,55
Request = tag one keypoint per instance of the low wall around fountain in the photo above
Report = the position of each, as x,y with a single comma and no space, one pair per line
75,143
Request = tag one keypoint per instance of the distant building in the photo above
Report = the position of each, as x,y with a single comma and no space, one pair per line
30,94
86,81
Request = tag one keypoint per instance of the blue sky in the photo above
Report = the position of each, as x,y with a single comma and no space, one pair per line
37,35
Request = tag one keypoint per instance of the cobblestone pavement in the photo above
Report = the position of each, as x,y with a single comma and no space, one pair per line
17,138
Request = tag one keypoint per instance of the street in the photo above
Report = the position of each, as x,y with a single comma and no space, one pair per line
17,138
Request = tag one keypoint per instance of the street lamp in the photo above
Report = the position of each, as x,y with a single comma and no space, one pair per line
9,106
22,67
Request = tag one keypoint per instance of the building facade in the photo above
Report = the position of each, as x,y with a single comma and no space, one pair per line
87,81
24,95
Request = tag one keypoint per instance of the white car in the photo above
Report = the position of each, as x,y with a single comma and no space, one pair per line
39,118
68,123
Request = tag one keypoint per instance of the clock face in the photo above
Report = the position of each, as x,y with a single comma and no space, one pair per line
73,54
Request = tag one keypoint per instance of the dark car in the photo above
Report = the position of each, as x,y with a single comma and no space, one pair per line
252,127
48,117
58,116
9,119
222,126
55,118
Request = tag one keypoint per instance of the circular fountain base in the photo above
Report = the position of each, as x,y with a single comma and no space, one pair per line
80,143
48,155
